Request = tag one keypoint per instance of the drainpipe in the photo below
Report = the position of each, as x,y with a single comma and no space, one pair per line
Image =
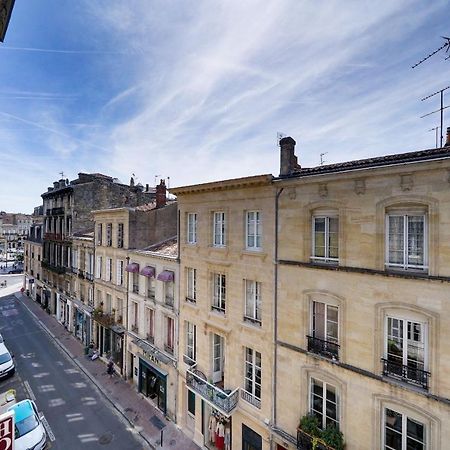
125,335
275,320
178,314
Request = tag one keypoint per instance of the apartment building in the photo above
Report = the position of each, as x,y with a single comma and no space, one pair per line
14,229
67,209
153,306
32,260
362,310
226,293
117,232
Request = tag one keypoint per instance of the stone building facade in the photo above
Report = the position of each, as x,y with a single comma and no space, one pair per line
361,304
226,326
32,260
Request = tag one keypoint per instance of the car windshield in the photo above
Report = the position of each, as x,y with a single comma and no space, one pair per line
26,425
5,358
1,339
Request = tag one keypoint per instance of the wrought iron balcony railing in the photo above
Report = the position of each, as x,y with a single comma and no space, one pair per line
322,347
408,374
250,398
223,400
308,442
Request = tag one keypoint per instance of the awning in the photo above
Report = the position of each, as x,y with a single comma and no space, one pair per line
133,268
166,275
148,271
152,351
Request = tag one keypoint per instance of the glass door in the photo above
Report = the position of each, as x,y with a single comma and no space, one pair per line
218,353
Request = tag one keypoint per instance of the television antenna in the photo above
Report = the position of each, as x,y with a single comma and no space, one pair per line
322,160
435,129
156,178
280,136
441,109
442,47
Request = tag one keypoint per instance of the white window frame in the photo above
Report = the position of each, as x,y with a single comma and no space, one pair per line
325,401
253,229
150,323
325,337
119,272
253,310
404,433
252,363
191,284
326,258
219,229
98,268
191,341
108,269
191,228
219,300
150,288
405,265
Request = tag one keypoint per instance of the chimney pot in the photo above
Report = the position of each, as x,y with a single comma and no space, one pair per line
288,160
161,194
447,144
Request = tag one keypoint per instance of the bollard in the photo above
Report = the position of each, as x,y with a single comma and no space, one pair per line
161,438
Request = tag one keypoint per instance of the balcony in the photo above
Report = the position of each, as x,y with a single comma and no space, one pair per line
80,274
307,442
324,348
250,398
103,318
53,237
408,374
223,400
53,268
89,276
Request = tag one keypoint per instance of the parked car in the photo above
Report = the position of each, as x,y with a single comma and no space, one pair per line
1,338
7,367
29,431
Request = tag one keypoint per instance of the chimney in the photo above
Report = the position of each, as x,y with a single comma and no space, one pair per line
161,194
55,185
288,160
146,187
447,144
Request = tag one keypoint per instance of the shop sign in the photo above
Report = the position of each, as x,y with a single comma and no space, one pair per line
7,431
149,356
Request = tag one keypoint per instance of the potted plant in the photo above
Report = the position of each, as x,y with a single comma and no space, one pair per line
310,435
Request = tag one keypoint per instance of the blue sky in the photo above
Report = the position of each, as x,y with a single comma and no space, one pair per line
197,90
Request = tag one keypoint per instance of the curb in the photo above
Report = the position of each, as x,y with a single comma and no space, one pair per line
80,366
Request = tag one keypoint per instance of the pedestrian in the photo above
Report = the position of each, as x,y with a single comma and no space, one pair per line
110,368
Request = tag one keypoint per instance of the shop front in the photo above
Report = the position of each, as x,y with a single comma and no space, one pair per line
109,341
153,383
216,428
82,321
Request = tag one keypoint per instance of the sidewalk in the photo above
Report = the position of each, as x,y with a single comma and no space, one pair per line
133,406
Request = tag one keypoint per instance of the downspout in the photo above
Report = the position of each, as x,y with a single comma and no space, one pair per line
275,324
125,336
178,313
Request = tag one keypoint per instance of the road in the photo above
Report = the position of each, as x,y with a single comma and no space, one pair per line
77,413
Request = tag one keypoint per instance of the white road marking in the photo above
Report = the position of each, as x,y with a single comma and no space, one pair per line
29,390
49,431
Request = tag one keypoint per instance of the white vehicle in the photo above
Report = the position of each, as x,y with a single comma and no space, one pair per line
6,362
29,432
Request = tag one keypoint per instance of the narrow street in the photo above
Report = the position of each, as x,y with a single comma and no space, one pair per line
77,414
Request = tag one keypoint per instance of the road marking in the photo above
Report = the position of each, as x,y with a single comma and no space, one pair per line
29,390
47,428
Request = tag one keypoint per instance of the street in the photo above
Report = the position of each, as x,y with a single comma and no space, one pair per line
76,413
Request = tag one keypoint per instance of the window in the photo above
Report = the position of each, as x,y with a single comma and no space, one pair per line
191,340
108,269
406,243
135,317
252,302
99,234
324,403
151,288
402,432
119,272
219,292
191,281
169,287
191,228
136,282
150,324
169,335
191,402
99,267
74,259
108,306
324,332
325,239
219,229
253,230
120,235
252,380
109,234
405,351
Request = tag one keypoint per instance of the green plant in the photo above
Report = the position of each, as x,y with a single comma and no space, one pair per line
333,437
310,425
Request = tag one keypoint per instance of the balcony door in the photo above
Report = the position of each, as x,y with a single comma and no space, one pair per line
218,358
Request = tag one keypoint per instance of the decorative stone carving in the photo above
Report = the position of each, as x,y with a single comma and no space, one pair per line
406,182
360,186
323,190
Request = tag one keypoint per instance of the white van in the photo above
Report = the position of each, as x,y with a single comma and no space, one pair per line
6,362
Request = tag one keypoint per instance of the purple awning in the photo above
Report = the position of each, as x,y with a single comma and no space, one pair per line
133,268
148,271
166,275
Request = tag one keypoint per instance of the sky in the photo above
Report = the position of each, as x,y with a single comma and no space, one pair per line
197,90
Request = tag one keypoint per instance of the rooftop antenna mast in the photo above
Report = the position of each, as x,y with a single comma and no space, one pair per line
62,174
279,137
441,109
322,160
435,129
442,47
156,178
